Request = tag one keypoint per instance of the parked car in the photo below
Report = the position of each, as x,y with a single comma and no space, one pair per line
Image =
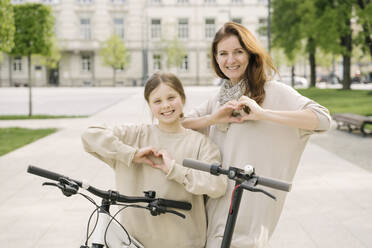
299,82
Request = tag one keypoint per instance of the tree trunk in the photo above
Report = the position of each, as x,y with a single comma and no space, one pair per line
292,76
312,69
346,41
311,48
114,79
29,86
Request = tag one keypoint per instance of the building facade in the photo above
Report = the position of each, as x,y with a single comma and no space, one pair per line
144,25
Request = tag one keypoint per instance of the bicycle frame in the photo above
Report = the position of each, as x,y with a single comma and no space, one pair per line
112,230
107,231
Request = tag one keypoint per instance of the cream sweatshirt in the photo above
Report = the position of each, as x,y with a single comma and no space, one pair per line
116,146
273,149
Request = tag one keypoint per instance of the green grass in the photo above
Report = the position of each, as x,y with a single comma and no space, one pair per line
14,137
342,101
26,117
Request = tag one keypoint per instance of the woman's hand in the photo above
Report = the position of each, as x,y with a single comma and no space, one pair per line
143,154
225,113
255,113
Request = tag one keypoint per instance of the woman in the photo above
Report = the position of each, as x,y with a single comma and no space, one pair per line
149,157
253,121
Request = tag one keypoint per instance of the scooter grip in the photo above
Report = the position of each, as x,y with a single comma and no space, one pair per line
275,184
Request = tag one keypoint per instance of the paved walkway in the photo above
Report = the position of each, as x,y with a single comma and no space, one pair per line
330,204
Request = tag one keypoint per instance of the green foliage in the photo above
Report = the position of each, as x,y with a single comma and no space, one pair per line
286,26
26,117
175,52
7,27
34,29
51,59
13,138
342,101
114,53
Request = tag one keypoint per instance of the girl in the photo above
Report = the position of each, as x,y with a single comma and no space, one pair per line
254,120
149,157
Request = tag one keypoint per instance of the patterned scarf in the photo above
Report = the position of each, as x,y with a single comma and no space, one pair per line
227,93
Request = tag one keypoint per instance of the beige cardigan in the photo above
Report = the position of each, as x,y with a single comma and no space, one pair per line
273,149
117,146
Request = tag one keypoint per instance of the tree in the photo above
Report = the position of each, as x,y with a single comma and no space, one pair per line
7,28
336,36
114,54
175,52
364,18
294,29
51,60
34,32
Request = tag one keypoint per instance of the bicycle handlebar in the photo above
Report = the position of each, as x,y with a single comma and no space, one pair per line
217,170
110,195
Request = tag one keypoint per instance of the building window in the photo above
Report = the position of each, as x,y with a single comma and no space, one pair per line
155,1
210,28
17,64
185,64
237,20
84,1
50,1
85,30
156,62
236,1
182,1
17,1
119,27
118,1
155,28
183,28
86,63
210,1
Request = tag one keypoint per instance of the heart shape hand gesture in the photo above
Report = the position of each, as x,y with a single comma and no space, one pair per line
149,155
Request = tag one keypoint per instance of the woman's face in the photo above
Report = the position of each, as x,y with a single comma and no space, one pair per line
232,58
166,104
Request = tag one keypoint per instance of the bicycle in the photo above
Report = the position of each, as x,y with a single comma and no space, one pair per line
245,179
107,231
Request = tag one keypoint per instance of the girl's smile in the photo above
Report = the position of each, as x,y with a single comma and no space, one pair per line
166,105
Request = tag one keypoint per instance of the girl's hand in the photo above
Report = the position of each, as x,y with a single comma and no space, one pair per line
255,112
143,154
224,113
166,162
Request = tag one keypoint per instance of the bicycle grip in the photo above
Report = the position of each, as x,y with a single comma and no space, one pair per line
43,173
275,184
175,204
197,165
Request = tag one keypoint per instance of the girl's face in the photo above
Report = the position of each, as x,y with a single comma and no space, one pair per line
232,58
166,104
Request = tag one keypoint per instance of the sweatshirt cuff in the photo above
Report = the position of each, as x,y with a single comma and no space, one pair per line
177,173
125,154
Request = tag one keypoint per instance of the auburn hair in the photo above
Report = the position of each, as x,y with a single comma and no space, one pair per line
260,67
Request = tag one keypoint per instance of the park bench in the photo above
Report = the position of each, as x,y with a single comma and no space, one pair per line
353,122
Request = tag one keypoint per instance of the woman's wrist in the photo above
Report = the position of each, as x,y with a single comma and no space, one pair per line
210,120
264,114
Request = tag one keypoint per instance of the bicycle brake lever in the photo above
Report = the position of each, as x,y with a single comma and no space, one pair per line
67,190
253,189
176,213
157,210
